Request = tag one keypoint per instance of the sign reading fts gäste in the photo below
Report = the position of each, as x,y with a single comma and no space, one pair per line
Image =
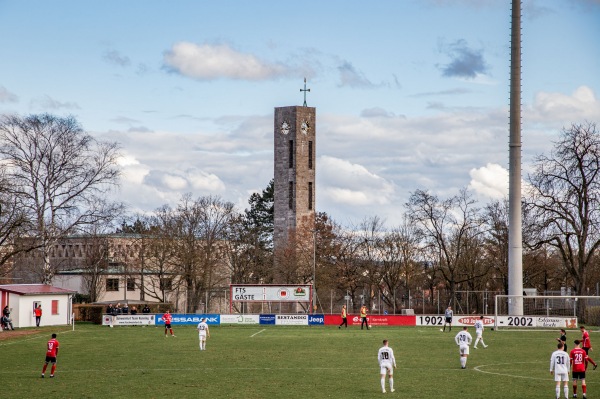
260,293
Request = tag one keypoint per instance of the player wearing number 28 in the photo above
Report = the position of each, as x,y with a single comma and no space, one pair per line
387,364
579,361
559,366
463,340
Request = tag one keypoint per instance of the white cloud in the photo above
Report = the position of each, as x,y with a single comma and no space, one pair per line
49,103
6,96
581,105
127,160
208,62
352,184
204,181
490,181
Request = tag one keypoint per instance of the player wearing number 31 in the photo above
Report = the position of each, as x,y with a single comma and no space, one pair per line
387,364
559,366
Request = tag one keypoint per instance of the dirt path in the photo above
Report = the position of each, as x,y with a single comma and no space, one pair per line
6,335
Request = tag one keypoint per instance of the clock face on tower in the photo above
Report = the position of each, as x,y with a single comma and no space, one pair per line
304,127
285,127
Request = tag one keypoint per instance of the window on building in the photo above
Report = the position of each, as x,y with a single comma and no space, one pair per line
55,306
291,153
112,284
310,196
310,155
130,284
166,284
291,195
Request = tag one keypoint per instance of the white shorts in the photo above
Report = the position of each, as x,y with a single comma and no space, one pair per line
479,334
387,368
463,349
202,337
561,377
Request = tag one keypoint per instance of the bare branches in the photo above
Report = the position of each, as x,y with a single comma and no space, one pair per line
59,175
564,200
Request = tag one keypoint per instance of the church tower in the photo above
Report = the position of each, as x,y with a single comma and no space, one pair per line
295,165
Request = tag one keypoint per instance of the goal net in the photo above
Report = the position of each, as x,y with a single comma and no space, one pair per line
546,311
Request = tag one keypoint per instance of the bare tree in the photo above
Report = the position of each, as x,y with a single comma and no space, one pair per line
564,200
201,227
448,228
13,225
495,216
59,175
401,257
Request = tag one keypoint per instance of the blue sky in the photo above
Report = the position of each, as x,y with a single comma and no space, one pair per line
410,94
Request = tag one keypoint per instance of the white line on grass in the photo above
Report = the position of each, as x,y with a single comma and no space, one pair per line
37,336
478,368
264,329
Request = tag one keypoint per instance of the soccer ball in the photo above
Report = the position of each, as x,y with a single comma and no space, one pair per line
441,329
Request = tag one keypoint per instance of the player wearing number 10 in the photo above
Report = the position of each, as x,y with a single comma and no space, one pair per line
559,366
387,364
51,354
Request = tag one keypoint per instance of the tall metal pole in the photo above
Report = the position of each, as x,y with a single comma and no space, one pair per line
515,239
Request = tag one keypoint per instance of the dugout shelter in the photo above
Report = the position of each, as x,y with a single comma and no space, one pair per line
23,298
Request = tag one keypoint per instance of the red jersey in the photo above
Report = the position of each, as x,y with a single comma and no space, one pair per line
167,318
52,350
578,360
38,312
585,340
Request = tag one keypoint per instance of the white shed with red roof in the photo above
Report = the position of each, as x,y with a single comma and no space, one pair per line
22,299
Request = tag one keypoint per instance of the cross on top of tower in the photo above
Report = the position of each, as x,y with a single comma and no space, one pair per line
304,90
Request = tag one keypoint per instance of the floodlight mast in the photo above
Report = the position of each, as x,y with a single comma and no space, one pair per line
515,234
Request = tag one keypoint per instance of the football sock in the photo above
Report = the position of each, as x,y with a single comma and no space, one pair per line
566,389
53,369
584,388
383,383
463,361
391,384
575,389
44,369
558,391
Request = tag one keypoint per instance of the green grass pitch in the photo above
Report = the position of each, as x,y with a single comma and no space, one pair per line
279,362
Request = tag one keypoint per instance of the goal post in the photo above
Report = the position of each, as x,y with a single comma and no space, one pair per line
547,311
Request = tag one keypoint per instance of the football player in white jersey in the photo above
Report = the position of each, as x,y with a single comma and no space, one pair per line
479,333
387,364
203,333
559,366
463,340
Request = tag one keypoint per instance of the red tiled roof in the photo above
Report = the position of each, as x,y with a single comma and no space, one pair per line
34,289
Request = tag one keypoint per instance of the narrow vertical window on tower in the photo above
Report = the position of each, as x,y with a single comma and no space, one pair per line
291,195
310,155
310,196
291,154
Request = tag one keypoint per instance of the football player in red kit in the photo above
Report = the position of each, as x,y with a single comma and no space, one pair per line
579,361
167,317
51,354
